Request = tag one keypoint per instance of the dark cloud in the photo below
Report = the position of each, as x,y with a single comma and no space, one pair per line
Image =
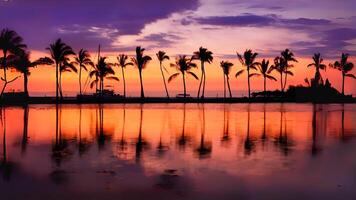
241,20
305,21
160,39
39,21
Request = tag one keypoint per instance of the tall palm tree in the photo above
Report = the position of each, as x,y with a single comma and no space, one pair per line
317,63
10,44
67,66
204,55
226,67
248,60
344,66
102,71
82,60
183,66
141,62
161,55
265,70
22,64
122,59
59,53
287,56
279,68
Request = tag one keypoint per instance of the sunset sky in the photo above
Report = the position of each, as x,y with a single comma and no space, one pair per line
181,27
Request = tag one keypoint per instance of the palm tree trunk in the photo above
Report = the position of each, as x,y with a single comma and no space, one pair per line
123,78
228,86
4,66
60,85
264,86
142,92
80,79
184,86
224,86
25,83
203,92
343,83
282,90
164,80
201,78
285,82
57,83
248,82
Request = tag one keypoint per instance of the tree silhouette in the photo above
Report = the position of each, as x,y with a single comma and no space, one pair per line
141,62
161,55
10,44
59,53
287,56
344,66
183,65
102,71
317,63
66,66
248,61
82,60
122,59
265,70
226,67
204,55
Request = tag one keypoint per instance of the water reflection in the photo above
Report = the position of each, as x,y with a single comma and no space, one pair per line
166,146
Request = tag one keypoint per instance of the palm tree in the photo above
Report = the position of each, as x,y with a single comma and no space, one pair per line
82,60
183,66
141,62
122,59
22,64
66,66
10,44
59,53
226,67
161,55
345,67
248,61
204,55
266,70
287,56
318,65
102,70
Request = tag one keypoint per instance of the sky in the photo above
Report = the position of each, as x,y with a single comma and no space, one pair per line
181,27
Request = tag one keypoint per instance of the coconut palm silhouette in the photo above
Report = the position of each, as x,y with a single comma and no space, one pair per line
161,56
344,66
287,57
204,55
66,66
141,62
10,44
317,63
123,63
183,65
59,52
265,70
226,67
248,61
102,71
82,60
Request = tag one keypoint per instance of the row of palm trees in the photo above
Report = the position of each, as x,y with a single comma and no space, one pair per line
15,55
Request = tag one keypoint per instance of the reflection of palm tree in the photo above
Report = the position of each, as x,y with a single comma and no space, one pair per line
226,134
161,55
315,149
25,129
264,135
10,44
102,135
59,53
249,144
226,67
248,60
204,149
266,70
82,60
83,144
183,65
344,66
317,63
141,62
282,141
182,141
122,59
161,147
6,167
204,55
122,142
140,144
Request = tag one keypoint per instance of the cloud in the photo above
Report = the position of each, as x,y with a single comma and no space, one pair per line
241,20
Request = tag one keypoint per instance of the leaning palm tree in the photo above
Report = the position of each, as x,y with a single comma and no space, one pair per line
102,71
287,56
10,44
22,64
122,59
59,53
265,70
161,55
279,68
248,61
344,66
82,60
226,67
66,66
141,62
318,65
183,65
204,55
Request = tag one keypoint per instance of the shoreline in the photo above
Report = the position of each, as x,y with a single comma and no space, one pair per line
129,100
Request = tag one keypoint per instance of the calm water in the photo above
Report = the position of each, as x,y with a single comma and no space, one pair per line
177,151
